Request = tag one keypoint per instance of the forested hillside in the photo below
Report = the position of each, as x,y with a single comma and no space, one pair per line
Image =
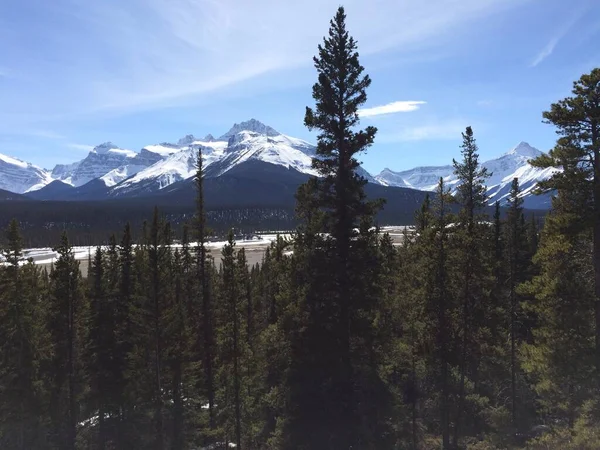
478,332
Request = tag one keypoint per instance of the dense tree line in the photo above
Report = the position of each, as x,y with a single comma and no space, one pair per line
476,332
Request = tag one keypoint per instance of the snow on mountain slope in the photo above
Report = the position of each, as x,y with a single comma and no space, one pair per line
514,164
19,177
176,167
62,171
421,178
101,160
121,173
503,169
249,125
273,149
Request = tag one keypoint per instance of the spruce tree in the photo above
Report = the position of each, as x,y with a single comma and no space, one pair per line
231,345
560,359
20,424
177,349
123,306
206,333
67,310
438,290
100,348
335,204
157,253
577,153
515,248
471,196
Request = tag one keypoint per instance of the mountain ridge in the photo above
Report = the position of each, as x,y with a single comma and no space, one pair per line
503,169
116,172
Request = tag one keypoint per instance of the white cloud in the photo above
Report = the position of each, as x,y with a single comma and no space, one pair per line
551,45
436,131
391,108
142,54
46,134
83,147
546,51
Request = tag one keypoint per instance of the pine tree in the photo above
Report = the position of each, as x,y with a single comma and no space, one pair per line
177,349
516,257
424,215
20,426
100,348
577,152
337,204
207,337
67,311
438,291
471,196
156,255
271,347
560,358
123,306
231,344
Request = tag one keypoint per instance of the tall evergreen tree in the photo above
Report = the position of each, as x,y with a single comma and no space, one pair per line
515,247
100,348
560,359
67,311
20,424
177,349
123,308
207,331
577,153
157,255
440,307
471,196
339,194
230,341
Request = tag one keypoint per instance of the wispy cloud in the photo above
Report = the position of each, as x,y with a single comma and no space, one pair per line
391,108
551,45
547,50
82,147
46,134
143,54
436,131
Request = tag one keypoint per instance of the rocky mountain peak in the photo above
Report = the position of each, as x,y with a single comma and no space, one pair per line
250,125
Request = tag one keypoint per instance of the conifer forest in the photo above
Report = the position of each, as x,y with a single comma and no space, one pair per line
476,332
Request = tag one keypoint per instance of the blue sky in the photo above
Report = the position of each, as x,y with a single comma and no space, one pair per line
75,73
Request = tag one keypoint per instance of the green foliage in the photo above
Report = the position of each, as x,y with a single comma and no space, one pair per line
465,335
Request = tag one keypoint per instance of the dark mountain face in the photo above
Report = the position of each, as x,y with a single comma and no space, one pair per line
7,196
57,190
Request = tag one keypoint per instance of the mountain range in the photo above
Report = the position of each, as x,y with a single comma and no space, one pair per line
248,148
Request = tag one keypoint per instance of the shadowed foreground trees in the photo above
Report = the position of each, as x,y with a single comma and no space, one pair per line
473,333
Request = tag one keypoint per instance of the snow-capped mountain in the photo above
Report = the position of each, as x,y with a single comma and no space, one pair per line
19,177
249,125
101,160
114,172
177,166
513,164
278,149
244,142
422,178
